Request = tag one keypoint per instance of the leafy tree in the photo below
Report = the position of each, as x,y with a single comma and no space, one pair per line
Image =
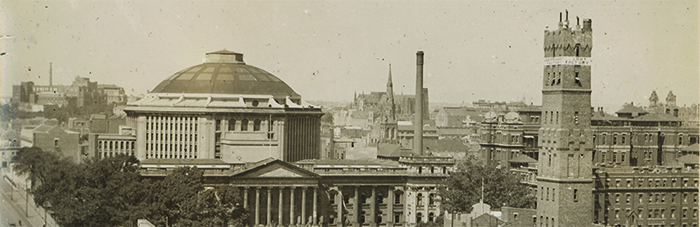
462,188
439,222
9,111
35,164
111,192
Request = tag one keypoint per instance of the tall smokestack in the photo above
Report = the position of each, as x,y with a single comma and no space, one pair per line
50,75
418,122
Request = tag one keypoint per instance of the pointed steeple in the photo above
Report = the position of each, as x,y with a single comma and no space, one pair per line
390,96
653,99
671,99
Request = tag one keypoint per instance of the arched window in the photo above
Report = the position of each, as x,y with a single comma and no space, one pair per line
419,217
419,199
256,125
244,125
431,199
577,47
554,52
232,124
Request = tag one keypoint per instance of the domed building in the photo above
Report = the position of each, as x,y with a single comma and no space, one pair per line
224,109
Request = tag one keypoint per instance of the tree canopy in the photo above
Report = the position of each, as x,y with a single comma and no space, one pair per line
111,192
462,188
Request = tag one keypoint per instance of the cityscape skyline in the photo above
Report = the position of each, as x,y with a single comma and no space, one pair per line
315,49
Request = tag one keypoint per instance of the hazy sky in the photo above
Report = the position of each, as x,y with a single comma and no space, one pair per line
329,50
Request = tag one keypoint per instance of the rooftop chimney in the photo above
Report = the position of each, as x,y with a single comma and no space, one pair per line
418,122
587,25
561,24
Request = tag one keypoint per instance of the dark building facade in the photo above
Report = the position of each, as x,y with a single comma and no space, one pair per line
564,167
646,196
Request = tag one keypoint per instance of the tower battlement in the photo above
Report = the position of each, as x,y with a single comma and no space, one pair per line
568,41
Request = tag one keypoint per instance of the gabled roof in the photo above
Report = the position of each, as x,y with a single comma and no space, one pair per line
273,168
350,162
388,150
530,109
656,117
631,109
689,159
598,116
44,128
522,159
487,220
694,147
445,145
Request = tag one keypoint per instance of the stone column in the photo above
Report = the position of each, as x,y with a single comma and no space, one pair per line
315,201
303,205
279,135
406,203
390,206
426,204
373,208
356,208
291,206
339,200
140,138
269,207
279,208
257,206
245,197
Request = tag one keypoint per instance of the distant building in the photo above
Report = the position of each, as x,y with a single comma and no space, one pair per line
646,196
113,93
51,137
80,93
647,140
504,136
50,98
458,117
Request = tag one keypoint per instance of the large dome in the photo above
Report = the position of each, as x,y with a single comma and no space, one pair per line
224,72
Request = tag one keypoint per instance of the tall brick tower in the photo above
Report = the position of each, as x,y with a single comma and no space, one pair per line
564,169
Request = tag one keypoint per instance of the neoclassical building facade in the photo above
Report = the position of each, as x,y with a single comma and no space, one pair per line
245,127
224,109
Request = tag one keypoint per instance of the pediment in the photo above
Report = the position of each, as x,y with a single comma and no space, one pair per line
276,169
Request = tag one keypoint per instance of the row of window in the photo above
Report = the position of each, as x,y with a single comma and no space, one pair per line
648,138
244,125
656,198
652,182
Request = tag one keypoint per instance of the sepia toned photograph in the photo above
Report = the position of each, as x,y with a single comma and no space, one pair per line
505,113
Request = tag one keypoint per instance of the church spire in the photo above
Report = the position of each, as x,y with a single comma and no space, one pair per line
390,96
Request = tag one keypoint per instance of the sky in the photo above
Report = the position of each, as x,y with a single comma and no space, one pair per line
328,50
